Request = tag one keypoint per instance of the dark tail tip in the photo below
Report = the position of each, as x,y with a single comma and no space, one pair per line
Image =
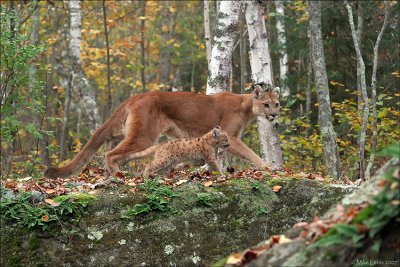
52,172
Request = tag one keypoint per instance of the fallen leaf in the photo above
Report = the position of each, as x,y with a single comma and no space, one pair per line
49,201
283,239
45,218
181,182
276,188
50,191
25,179
119,175
9,184
55,204
234,259
208,183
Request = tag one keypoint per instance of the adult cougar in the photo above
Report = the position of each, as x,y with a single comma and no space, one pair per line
144,118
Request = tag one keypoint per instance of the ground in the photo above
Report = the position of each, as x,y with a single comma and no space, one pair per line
197,222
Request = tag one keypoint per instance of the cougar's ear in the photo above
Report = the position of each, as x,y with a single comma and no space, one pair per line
258,91
217,127
216,133
276,91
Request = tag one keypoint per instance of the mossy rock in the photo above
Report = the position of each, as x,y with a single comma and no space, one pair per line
239,213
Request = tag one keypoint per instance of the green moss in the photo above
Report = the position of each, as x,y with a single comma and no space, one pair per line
80,197
34,243
15,261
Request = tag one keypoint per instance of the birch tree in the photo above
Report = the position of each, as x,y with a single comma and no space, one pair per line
373,91
283,57
207,34
109,96
79,80
331,151
261,69
363,86
221,54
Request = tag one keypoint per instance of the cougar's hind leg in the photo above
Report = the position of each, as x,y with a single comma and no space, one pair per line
140,134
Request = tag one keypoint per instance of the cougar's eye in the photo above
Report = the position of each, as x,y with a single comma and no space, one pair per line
266,105
277,104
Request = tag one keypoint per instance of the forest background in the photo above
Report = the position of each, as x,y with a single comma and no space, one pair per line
132,47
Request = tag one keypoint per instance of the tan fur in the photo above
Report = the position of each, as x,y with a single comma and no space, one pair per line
177,151
144,118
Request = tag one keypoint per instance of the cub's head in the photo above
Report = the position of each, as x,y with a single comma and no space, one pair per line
266,104
219,137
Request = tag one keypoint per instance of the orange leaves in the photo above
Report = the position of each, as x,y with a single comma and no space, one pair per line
208,183
276,188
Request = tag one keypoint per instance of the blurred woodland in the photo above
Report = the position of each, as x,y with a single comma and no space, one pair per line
133,47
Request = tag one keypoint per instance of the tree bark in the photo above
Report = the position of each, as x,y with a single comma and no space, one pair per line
109,98
142,47
221,53
331,151
283,57
207,34
365,113
359,34
165,47
373,92
261,69
243,51
79,80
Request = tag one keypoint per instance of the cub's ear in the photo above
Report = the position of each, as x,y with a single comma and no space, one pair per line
217,127
276,91
216,133
258,91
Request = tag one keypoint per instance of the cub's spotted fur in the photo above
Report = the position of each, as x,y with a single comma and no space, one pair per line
177,151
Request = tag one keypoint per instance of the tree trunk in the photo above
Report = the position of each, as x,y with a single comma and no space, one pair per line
142,47
221,53
79,80
359,34
261,69
243,51
207,35
373,92
331,151
365,113
109,98
165,47
283,57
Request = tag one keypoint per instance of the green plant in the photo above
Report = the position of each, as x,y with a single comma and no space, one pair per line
205,199
19,209
383,209
158,198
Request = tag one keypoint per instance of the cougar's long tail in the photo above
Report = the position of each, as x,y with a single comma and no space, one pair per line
98,138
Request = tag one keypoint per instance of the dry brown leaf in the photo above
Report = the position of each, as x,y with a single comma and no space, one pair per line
181,182
45,218
50,191
49,201
276,188
208,183
234,259
9,184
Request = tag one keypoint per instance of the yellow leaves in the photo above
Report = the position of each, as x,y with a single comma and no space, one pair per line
177,45
335,83
77,145
396,73
165,28
172,9
142,18
51,41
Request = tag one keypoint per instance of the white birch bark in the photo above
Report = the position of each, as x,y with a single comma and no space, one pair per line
207,34
328,135
373,91
221,53
79,80
261,69
365,113
283,57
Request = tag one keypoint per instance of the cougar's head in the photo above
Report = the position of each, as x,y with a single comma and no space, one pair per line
220,138
266,104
